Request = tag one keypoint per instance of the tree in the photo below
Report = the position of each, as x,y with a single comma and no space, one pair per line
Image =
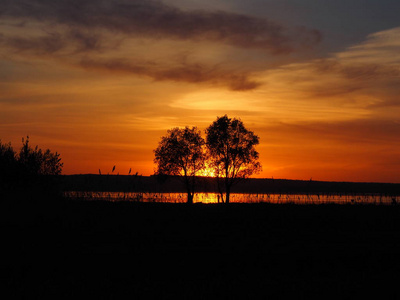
181,152
35,161
232,153
8,164
24,173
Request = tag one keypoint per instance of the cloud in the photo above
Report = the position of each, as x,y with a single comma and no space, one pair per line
366,76
360,132
48,44
340,113
98,35
78,48
85,41
71,41
375,59
363,71
191,73
193,46
154,19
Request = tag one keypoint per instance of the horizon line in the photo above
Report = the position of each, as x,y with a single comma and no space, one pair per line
252,178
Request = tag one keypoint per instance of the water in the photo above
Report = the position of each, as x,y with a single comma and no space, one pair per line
237,198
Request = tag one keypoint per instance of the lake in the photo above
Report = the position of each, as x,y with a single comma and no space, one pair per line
236,198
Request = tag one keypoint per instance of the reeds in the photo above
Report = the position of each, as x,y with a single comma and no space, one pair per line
306,199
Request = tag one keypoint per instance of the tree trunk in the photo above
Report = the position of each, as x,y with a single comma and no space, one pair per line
228,193
227,190
189,190
189,198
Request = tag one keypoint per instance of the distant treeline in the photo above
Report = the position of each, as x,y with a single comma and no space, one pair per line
170,184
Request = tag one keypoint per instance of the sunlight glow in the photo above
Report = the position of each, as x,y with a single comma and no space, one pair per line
207,172
215,99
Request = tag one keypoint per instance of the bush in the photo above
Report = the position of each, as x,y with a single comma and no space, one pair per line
29,171
34,161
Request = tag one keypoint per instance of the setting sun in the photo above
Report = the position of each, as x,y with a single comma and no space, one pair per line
208,172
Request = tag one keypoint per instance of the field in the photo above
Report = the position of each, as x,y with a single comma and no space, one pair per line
110,250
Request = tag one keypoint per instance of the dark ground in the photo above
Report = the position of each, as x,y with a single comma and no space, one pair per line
67,250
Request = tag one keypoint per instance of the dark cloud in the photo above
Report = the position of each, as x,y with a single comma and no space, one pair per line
75,30
72,41
359,131
370,72
358,71
374,80
192,73
85,42
153,19
74,47
48,44
334,90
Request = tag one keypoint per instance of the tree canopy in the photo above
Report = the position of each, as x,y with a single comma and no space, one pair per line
232,152
228,153
29,161
25,170
181,152
35,161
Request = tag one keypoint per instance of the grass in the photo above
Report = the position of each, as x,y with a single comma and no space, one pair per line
160,250
378,199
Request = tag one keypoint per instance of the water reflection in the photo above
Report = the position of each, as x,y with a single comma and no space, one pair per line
237,198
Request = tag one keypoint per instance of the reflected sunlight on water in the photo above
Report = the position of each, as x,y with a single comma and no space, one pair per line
237,198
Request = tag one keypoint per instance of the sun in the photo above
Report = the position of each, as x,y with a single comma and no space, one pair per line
207,172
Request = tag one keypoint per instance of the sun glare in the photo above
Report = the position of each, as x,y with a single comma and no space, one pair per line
207,172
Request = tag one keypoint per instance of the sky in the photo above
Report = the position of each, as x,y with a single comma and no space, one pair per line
101,82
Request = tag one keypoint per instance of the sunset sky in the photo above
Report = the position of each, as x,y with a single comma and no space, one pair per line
101,81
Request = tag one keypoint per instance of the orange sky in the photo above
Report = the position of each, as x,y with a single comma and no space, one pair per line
102,91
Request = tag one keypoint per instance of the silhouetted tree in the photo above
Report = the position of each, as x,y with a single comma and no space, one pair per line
8,166
181,153
35,161
232,153
25,171
7,157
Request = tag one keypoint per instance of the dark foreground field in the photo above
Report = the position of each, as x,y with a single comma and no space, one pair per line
165,251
